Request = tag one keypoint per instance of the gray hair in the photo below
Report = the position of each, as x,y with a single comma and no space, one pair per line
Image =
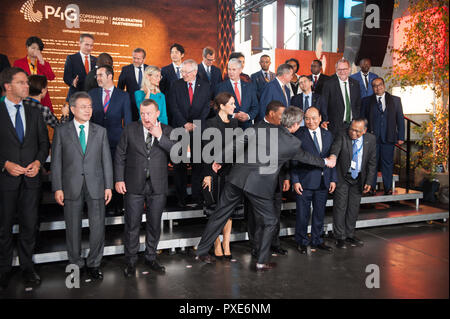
283,69
343,60
190,62
235,61
78,95
291,116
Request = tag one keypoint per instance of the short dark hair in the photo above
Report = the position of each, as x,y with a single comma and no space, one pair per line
79,95
208,51
378,78
361,119
318,61
236,55
86,35
36,40
37,84
7,75
304,76
273,106
295,61
221,98
148,102
264,56
108,69
140,50
179,47
104,59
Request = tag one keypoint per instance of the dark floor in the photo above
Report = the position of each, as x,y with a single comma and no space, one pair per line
412,259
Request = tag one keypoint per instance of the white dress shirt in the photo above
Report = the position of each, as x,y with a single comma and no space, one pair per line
136,73
363,78
383,100
193,86
207,68
83,59
342,85
86,129
146,133
318,135
175,69
12,111
111,89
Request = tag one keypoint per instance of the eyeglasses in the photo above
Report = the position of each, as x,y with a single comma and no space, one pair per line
84,108
186,72
21,82
342,70
356,131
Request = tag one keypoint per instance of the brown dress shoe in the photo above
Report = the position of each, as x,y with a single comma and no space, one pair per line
206,259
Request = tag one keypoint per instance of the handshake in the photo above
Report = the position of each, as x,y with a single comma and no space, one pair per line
330,161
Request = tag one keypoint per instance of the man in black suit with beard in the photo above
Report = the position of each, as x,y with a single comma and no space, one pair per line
257,179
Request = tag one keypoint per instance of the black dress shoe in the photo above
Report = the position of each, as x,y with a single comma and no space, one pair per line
322,246
206,259
264,267
229,257
4,279
30,276
130,270
155,266
254,253
388,192
95,272
354,241
340,243
279,251
302,249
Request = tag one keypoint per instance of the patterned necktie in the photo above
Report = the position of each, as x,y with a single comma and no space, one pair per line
191,93
178,72
148,146
86,64
366,82
266,76
237,93
348,113
106,101
19,124
208,73
82,138
380,104
306,105
316,142
354,172
315,81
140,76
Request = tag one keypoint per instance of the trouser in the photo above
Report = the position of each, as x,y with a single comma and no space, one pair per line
21,203
385,164
73,211
181,179
231,196
134,207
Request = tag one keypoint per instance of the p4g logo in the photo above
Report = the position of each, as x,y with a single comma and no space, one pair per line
71,14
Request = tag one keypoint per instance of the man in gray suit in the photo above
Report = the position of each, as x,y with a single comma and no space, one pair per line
356,167
140,165
82,172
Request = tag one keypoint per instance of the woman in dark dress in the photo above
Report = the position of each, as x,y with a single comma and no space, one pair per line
224,106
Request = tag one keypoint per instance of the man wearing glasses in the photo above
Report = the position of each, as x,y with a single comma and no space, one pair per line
207,71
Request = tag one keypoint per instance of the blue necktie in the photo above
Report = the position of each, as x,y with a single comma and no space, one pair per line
316,142
19,124
140,76
306,105
380,105
178,72
208,73
354,172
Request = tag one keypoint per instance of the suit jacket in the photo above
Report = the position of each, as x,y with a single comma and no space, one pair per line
35,146
180,108
117,116
395,121
216,77
4,62
75,66
127,79
70,167
271,92
168,76
248,176
342,148
131,161
320,82
332,103
297,100
249,102
260,81
362,87
310,176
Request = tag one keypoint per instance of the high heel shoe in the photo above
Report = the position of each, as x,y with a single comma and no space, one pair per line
218,257
229,257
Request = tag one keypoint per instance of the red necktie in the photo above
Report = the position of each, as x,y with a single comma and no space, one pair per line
106,101
191,93
238,95
86,64
315,80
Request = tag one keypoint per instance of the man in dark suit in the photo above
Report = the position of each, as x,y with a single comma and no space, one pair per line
312,184
110,106
277,90
23,149
90,82
82,173
384,113
4,62
131,78
244,94
257,180
78,65
189,100
207,71
172,72
307,98
340,100
356,157
365,78
240,57
317,78
263,76
144,147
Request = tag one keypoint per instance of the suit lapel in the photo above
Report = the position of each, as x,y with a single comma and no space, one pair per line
81,62
74,136
139,132
325,142
28,120
5,115
113,99
365,148
339,92
92,134
231,90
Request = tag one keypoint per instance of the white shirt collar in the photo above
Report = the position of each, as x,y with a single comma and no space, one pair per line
317,130
77,124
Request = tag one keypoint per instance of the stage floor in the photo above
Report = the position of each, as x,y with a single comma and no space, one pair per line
412,258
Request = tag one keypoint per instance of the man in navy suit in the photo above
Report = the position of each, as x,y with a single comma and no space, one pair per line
111,106
189,100
277,89
172,72
207,71
263,76
384,113
312,184
244,94
131,78
307,98
365,78
78,65
317,78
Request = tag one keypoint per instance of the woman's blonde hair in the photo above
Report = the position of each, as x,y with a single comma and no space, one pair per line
149,70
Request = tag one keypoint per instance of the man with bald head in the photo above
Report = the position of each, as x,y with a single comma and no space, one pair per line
312,184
